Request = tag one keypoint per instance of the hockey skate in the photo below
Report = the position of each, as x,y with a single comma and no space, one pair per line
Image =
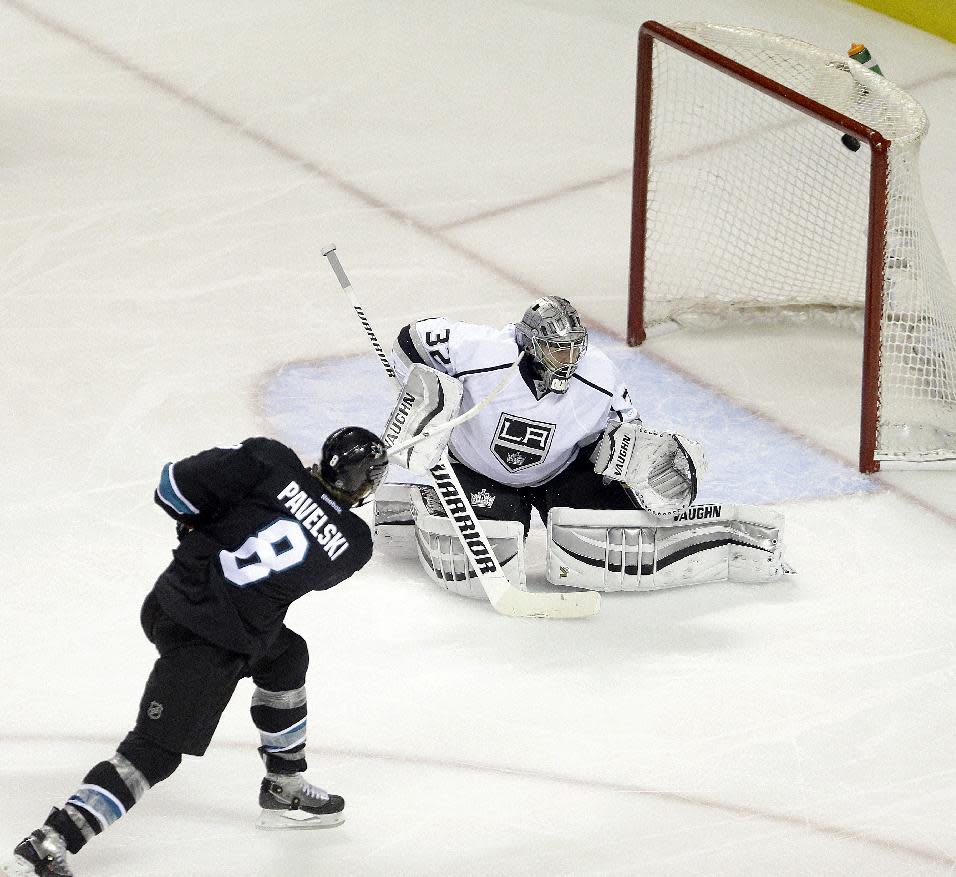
290,802
43,852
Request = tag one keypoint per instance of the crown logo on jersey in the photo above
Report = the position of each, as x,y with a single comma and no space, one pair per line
482,499
520,443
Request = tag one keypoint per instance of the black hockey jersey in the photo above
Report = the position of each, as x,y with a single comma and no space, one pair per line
264,532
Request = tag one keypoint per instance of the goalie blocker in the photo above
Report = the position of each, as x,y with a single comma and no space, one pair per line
639,551
417,430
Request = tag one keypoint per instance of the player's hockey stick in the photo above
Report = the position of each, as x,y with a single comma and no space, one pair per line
394,450
504,597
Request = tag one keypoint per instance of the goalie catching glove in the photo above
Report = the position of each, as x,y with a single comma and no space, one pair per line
415,428
657,469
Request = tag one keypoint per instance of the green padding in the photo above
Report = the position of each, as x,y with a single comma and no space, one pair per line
934,16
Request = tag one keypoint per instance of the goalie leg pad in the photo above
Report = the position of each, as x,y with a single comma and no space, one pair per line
637,551
443,557
393,515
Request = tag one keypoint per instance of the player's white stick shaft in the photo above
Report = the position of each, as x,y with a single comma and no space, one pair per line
504,597
330,254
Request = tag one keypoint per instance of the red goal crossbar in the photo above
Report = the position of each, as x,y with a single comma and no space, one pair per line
652,32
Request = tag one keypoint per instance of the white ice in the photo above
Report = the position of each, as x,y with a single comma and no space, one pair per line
169,173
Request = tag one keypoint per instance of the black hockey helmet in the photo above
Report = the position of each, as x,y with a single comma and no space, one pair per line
552,334
353,464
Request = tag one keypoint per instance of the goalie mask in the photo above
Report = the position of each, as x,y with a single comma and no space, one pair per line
551,333
353,464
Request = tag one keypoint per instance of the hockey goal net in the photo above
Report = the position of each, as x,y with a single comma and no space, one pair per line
774,178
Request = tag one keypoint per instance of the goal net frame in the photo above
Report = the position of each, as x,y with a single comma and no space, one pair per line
653,32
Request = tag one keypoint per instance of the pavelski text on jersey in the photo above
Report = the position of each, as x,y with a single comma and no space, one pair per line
314,519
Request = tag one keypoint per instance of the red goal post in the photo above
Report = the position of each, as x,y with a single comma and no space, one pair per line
748,204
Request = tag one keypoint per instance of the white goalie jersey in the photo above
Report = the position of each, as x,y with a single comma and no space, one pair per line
517,439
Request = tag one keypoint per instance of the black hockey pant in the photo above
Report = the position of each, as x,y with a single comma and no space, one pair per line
577,487
190,685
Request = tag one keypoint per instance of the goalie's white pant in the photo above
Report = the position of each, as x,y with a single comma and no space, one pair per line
638,551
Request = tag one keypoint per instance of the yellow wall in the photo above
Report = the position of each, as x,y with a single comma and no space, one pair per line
934,16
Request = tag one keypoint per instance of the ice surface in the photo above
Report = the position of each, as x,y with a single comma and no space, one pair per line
168,176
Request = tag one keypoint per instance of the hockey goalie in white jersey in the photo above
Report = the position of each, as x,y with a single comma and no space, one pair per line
561,437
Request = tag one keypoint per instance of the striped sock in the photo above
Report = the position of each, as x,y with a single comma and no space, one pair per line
107,792
280,717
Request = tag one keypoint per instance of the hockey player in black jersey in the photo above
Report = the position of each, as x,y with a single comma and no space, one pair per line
257,531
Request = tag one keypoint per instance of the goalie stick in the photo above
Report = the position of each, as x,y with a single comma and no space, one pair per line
503,596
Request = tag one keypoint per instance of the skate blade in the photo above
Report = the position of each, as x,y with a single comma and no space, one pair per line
285,820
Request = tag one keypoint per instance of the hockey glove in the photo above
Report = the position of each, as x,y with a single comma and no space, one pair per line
657,469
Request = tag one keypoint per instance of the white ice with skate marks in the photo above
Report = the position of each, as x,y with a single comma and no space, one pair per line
170,173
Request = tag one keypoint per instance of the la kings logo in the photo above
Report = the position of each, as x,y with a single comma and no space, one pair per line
520,443
482,499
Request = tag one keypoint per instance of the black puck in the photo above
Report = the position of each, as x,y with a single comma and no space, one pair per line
850,142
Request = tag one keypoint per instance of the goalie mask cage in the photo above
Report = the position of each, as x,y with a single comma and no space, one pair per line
747,204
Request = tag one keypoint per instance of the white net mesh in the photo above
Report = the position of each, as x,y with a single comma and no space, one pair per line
756,210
